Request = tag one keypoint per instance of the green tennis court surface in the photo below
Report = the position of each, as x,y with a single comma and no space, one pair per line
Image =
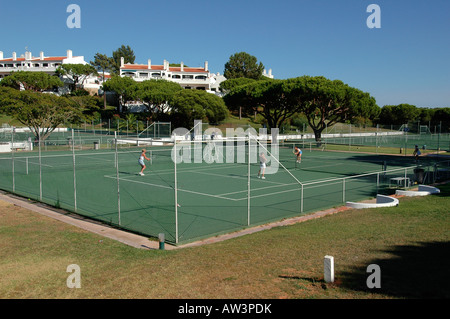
212,198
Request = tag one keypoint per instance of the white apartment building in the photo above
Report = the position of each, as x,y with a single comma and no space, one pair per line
196,78
43,63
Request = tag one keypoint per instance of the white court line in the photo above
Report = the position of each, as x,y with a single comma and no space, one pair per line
260,188
195,170
22,161
221,196
238,177
320,166
169,187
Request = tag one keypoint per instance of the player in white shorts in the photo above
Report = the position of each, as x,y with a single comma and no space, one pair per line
141,162
262,166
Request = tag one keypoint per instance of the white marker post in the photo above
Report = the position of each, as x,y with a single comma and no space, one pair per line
328,266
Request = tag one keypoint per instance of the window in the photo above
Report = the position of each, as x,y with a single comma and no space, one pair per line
188,76
176,76
200,77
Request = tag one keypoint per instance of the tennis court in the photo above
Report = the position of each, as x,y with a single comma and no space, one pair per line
188,201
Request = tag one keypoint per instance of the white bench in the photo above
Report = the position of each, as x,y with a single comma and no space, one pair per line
423,190
381,201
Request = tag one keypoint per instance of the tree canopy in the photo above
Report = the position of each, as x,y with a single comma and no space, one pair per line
323,101
102,63
188,105
229,84
326,102
243,65
121,86
156,94
33,81
40,112
77,73
398,114
124,52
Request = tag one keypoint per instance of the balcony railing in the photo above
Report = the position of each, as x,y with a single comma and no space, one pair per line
28,68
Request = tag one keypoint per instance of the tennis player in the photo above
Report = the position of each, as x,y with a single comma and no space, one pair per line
141,162
416,152
262,166
298,154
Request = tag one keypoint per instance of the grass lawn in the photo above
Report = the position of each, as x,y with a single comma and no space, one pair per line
410,243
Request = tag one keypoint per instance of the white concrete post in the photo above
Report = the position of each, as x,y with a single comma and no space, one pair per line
328,265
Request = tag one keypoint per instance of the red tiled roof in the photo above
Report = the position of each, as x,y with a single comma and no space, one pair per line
52,58
161,67
135,67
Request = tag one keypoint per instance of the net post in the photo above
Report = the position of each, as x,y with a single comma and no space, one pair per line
378,181
40,164
343,190
161,240
117,176
12,162
406,169
74,175
175,185
301,200
248,180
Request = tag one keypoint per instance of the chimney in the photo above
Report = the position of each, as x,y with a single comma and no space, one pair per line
69,54
1,55
122,62
41,55
14,56
270,72
182,66
149,64
166,65
28,55
206,66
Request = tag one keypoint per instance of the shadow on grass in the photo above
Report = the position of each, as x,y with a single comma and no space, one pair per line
416,271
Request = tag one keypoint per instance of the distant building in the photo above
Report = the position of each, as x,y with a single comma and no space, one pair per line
196,78
42,63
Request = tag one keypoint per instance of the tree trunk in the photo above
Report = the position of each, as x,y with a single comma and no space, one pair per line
318,136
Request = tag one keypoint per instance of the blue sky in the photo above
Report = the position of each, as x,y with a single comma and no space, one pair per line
404,61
